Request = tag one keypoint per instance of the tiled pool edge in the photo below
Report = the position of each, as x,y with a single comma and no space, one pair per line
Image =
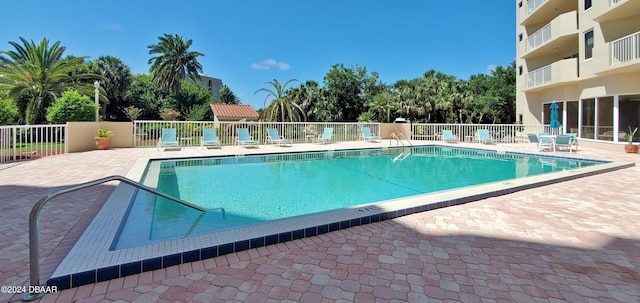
405,206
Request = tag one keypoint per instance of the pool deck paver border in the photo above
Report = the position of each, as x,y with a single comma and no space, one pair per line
573,241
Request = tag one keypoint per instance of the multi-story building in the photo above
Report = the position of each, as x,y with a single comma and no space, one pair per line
585,55
212,84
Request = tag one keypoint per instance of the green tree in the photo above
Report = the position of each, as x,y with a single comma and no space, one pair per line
72,106
227,96
35,74
281,108
144,94
8,112
173,62
191,94
117,80
347,89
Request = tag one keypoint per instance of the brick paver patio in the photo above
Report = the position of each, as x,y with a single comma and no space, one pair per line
575,241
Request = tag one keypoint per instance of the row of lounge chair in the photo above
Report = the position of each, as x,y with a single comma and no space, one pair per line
482,136
210,139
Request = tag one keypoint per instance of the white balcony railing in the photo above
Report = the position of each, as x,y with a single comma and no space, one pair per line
625,49
533,5
540,37
539,77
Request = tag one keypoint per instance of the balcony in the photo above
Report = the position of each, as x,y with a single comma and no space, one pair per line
623,55
558,73
617,10
561,34
542,11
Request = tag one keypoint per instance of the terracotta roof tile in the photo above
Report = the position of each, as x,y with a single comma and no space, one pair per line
234,111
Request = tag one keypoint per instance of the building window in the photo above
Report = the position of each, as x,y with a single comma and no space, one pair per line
520,70
588,44
588,119
520,4
520,37
629,109
587,4
572,116
605,119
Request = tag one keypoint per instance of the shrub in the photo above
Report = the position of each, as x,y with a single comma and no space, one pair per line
71,106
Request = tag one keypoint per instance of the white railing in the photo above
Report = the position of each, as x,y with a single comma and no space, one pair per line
24,142
539,76
625,49
539,37
533,5
504,133
189,133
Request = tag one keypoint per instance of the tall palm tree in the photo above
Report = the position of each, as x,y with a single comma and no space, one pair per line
173,62
35,74
281,108
118,79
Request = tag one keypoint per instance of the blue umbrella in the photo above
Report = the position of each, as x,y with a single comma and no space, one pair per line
554,123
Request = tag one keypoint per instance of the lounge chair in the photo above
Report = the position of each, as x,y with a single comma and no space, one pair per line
563,141
367,135
483,136
209,138
541,143
274,138
168,138
326,135
448,136
244,138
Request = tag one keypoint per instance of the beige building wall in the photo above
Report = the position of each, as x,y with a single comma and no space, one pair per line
555,68
80,135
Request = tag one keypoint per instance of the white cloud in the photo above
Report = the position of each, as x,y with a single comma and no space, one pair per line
269,63
111,26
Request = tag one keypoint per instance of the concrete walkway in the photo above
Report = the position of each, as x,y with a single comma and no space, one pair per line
575,241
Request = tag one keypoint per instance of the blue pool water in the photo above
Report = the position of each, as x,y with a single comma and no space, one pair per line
256,189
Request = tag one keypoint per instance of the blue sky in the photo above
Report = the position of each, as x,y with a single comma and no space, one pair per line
247,43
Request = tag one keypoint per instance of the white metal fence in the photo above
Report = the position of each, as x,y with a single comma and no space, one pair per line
503,133
189,133
625,49
23,142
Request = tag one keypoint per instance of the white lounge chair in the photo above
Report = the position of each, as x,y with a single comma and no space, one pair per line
209,138
541,143
244,138
273,137
367,135
168,138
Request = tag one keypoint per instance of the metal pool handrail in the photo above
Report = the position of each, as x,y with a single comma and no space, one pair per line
34,241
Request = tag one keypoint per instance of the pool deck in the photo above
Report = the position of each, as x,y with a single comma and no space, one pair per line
575,241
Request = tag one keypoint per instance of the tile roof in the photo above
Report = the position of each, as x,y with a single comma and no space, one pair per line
233,111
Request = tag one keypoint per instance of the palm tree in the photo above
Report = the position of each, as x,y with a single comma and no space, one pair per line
281,108
173,62
118,79
35,74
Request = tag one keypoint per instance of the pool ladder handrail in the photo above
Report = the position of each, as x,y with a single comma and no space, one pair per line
399,138
34,240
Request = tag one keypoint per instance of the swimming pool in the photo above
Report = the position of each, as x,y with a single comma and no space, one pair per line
262,188
93,258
